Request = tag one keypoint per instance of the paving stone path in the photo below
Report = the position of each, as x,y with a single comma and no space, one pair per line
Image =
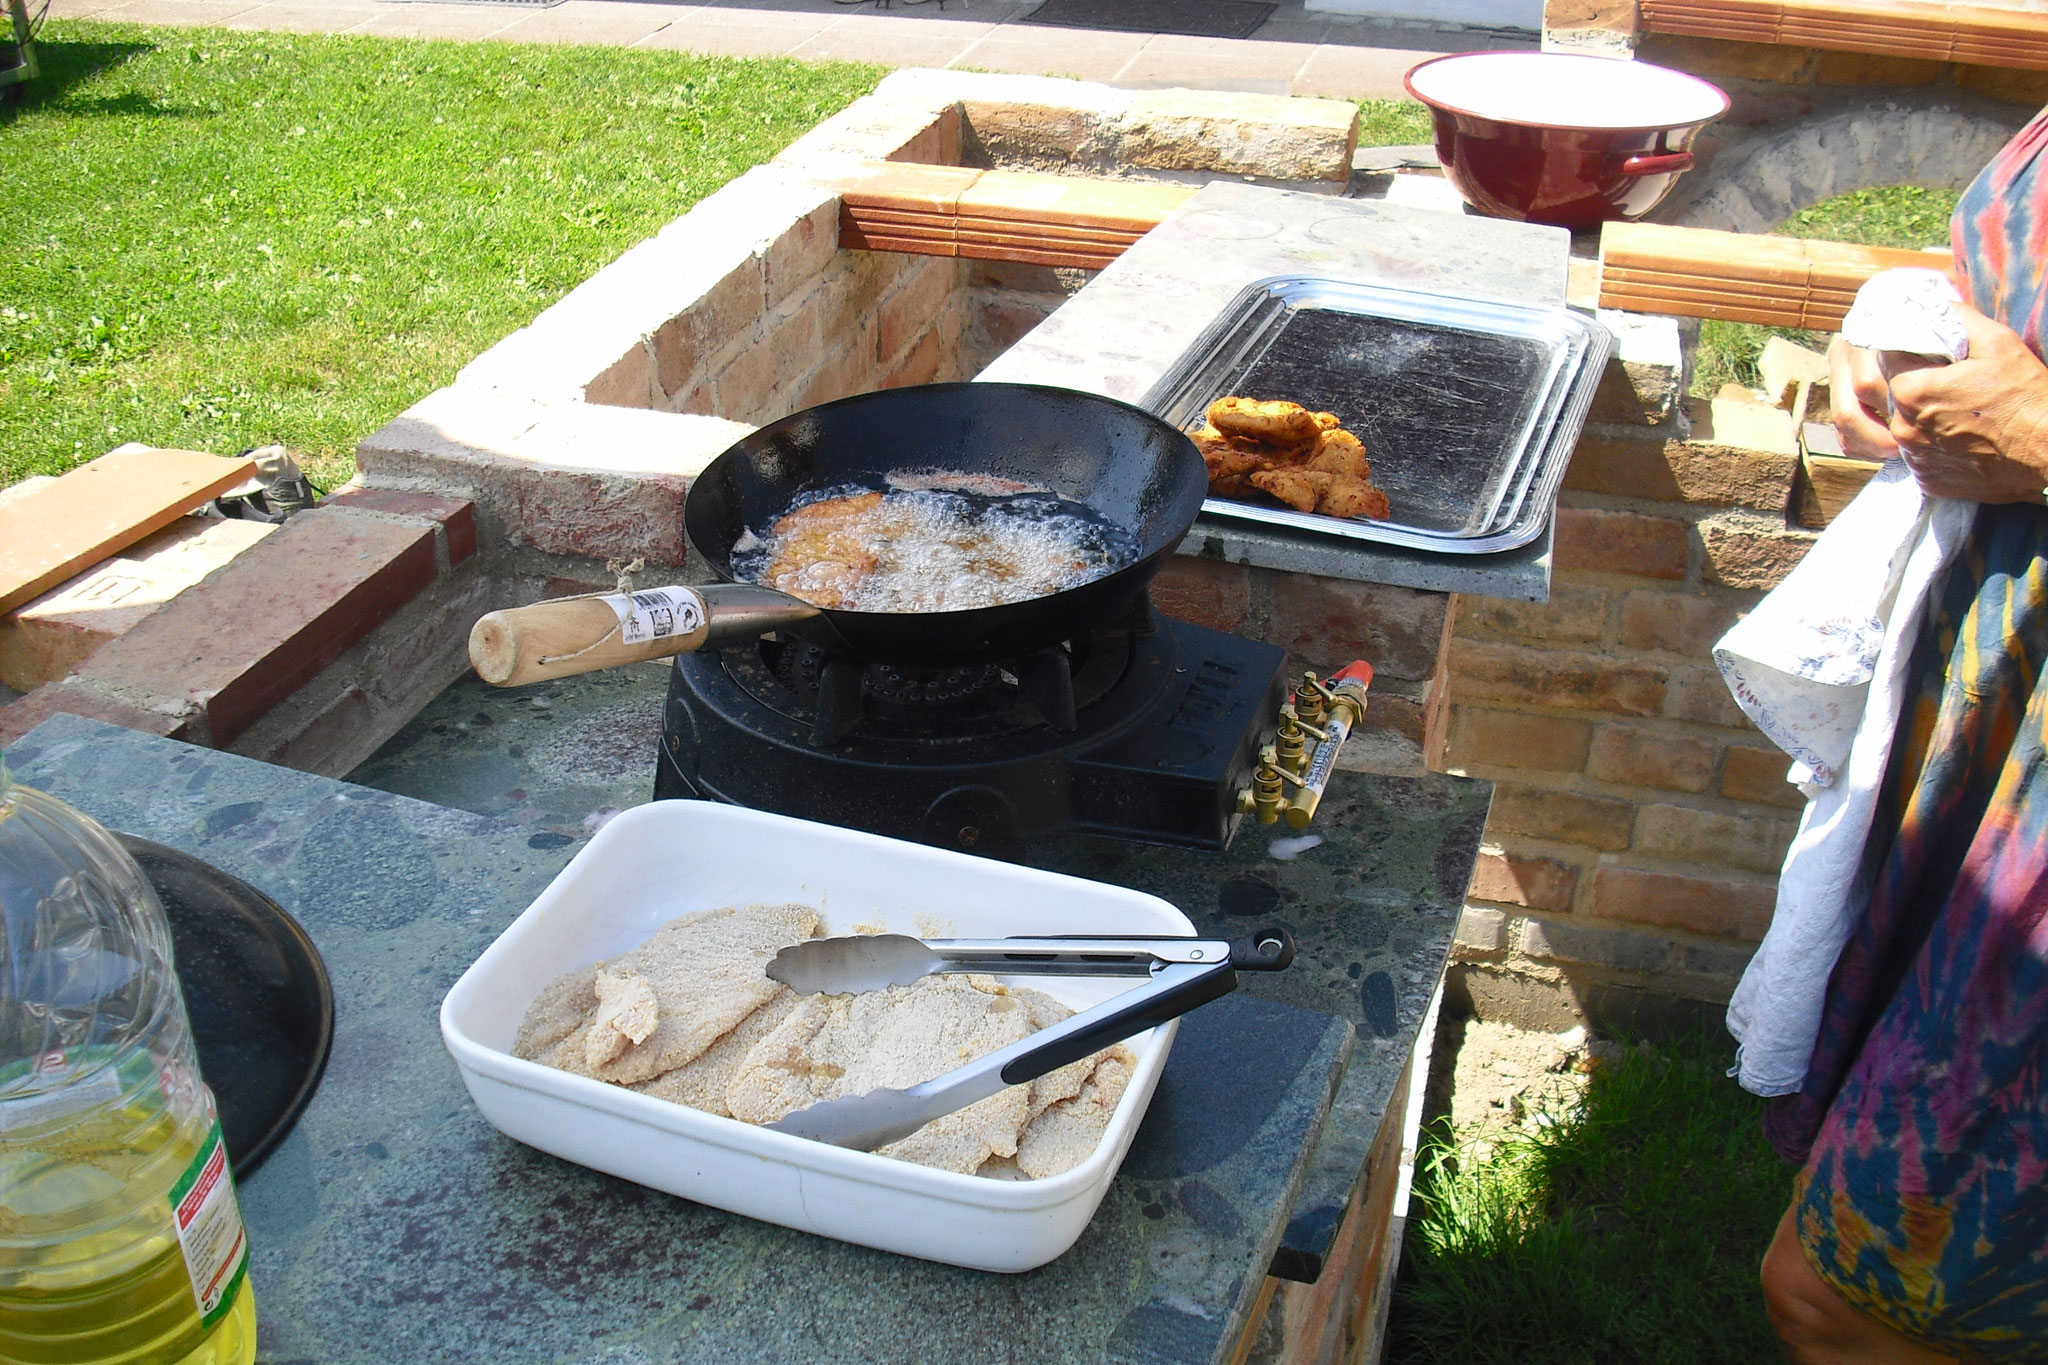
1295,52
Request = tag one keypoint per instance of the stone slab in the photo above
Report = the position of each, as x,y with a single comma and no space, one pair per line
391,1195
1122,332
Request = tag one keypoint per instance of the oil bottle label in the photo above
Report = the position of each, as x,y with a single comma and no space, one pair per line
209,1223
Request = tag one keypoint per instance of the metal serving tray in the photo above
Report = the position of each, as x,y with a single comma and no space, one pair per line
1469,408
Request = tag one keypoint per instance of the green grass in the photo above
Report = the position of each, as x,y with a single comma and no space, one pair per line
1394,123
1899,215
217,240
1626,1232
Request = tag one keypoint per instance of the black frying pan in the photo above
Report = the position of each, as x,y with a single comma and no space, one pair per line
1126,466
1120,462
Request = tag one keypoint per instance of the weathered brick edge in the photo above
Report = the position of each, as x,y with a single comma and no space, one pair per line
218,659
1630,856
578,434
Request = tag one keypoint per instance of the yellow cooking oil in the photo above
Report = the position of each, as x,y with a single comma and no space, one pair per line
92,1270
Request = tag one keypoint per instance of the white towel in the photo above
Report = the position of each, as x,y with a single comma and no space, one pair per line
1820,666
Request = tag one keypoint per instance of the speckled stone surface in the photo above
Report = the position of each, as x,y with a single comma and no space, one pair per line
1373,905
1122,332
394,1224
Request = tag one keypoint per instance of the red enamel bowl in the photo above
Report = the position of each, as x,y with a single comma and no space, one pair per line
1560,138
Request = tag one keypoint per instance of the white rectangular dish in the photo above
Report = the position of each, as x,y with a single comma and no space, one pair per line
669,858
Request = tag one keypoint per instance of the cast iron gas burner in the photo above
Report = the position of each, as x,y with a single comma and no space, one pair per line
1147,728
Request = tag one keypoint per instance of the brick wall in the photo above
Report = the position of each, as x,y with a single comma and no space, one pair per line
1629,860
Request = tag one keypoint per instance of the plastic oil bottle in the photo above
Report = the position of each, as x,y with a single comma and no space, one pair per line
121,1242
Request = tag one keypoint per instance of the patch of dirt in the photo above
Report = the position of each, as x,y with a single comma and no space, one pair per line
1487,1075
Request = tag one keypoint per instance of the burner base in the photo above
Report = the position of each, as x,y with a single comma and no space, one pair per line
1156,755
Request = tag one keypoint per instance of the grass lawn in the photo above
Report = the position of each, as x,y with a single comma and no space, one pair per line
1899,215
1394,123
1625,1229
219,240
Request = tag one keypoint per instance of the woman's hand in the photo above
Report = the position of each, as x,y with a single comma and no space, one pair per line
1856,391
1977,429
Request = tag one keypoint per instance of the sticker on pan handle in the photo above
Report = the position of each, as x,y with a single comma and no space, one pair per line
656,613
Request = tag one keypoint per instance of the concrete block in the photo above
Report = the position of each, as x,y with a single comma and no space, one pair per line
1266,135
1645,377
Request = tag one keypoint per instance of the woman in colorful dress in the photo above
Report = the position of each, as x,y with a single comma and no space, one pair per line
1918,1229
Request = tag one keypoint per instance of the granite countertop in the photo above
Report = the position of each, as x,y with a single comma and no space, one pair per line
1124,330
393,1204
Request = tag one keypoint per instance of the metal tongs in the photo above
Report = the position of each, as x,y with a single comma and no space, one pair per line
1184,972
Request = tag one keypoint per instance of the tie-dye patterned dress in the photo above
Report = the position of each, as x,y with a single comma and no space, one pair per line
1923,1122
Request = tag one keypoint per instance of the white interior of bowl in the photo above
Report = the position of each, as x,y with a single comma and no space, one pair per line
1563,90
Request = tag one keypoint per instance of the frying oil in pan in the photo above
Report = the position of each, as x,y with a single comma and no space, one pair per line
932,543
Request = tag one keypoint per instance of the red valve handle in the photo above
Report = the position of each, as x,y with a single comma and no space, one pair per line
1657,163
1358,670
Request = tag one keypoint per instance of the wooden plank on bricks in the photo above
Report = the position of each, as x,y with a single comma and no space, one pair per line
105,505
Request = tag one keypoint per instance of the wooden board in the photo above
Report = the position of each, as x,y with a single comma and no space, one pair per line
1739,277
101,507
1835,480
1983,35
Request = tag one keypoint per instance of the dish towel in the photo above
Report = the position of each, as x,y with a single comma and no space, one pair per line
1820,666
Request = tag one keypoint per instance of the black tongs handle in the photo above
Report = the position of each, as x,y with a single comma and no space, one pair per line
1264,950
1173,992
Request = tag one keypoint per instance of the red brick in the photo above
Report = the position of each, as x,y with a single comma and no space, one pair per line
1517,739
920,366
1643,756
1759,775
1004,322
1593,821
1575,611
257,630
1330,621
1621,542
1745,557
1722,907
1539,883
73,698
1683,623
1699,694
1208,592
1712,839
1623,463
456,516
909,311
1560,678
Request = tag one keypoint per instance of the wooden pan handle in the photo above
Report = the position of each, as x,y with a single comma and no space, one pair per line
570,635
582,634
